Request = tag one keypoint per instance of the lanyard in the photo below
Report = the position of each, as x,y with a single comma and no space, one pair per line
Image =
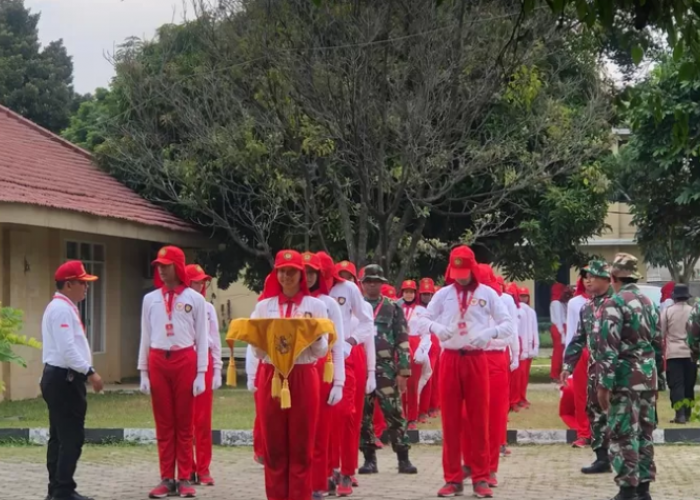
74,307
379,306
290,312
168,301
464,300
408,311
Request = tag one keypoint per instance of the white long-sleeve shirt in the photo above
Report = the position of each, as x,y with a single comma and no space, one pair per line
370,347
418,324
337,350
63,337
270,308
190,327
251,363
513,341
214,337
557,315
351,305
533,331
573,314
483,304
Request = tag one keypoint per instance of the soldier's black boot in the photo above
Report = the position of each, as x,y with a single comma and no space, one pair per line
643,491
626,493
405,465
601,464
370,465
680,417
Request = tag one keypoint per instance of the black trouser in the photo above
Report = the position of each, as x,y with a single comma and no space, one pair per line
65,395
681,374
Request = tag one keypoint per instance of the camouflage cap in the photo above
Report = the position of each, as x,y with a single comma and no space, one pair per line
374,272
625,266
598,268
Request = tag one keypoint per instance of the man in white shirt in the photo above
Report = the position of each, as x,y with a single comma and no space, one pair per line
173,361
67,366
203,404
462,314
529,323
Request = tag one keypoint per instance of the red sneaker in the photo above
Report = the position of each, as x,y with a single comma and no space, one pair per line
422,418
581,443
433,413
186,490
378,444
451,490
355,483
163,490
206,480
344,488
259,459
515,409
482,490
412,426
492,480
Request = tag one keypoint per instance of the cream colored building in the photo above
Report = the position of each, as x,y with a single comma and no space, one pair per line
236,301
56,205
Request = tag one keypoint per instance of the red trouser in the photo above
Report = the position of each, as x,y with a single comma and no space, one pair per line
172,375
289,434
557,353
343,448
515,382
202,424
498,366
321,455
410,397
258,436
464,383
526,365
351,444
583,427
435,392
431,386
567,406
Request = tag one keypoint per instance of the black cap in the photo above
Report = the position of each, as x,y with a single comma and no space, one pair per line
681,292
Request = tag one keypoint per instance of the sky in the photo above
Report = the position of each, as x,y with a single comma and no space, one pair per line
91,29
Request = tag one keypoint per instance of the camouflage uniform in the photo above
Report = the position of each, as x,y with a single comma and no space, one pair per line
626,352
392,359
693,331
600,434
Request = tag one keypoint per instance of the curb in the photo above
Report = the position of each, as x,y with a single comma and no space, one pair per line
40,436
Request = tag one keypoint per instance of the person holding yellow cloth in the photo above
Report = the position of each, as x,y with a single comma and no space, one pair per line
288,402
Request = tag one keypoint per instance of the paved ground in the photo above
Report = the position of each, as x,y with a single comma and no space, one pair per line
121,472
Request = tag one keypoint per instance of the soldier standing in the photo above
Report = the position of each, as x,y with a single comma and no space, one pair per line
598,287
627,351
393,370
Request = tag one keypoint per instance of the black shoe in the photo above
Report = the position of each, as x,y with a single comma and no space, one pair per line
405,465
74,496
643,491
332,484
680,417
370,465
626,493
601,464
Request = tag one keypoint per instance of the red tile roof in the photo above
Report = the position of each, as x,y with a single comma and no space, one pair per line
38,167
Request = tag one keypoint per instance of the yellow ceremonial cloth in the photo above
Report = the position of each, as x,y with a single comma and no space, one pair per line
282,339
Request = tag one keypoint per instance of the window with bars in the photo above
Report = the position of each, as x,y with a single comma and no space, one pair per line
92,309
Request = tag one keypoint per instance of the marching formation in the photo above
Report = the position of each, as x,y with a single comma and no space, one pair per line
367,368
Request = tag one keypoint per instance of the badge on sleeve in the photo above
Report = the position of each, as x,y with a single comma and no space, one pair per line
341,301
188,308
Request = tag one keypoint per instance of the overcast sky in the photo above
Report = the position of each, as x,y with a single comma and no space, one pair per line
92,28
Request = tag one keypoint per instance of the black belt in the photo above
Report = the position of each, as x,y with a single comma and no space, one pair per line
69,374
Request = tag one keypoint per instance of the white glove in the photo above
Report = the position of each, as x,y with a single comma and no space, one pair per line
514,365
216,381
251,385
420,357
336,395
441,332
199,384
371,382
347,349
481,339
534,353
524,356
145,383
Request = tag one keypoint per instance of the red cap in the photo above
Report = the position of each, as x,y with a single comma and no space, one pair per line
289,258
172,256
487,277
523,290
196,273
388,291
409,285
73,270
513,291
462,262
311,260
427,285
348,266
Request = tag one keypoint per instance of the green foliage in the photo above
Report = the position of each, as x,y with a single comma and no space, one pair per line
10,324
658,172
35,82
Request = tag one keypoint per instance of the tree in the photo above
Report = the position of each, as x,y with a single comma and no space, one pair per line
34,82
354,129
658,172
10,324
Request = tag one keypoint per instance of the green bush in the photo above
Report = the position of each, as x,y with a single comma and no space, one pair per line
10,325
